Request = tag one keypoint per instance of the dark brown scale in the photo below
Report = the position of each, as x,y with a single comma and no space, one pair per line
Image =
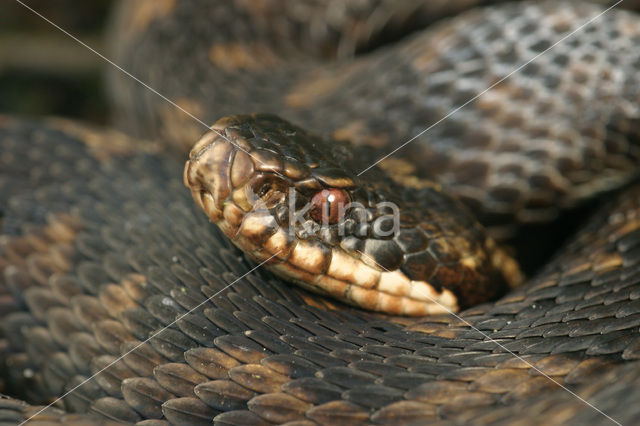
224,395
187,411
142,359
385,252
210,362
178,378
145,396
279,407
419,265
115,409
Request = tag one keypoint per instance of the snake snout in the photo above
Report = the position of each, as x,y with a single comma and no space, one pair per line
239,181
206,173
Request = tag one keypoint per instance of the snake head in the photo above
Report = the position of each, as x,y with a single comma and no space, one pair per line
286,196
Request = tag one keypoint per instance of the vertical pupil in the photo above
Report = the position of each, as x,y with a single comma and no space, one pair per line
330,199
326,205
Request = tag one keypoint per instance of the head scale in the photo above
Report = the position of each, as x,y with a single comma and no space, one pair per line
279,192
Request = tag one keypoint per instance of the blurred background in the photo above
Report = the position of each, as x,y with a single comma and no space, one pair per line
45,72
42,70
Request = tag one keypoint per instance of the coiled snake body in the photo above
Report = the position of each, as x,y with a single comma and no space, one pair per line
110,270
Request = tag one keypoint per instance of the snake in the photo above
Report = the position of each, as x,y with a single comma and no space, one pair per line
122,303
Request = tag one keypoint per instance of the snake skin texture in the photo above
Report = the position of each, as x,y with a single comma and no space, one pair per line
530,147
92,267
101,246
438,259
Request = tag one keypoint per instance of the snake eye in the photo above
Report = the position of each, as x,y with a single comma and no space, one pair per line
329,205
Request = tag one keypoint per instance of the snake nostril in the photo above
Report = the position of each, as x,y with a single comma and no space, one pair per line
267,192
264,189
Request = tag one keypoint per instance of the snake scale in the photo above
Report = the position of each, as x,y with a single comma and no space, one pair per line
116,287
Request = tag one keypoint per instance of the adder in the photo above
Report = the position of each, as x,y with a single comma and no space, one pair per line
122,303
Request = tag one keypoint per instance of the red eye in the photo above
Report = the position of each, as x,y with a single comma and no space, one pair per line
329,205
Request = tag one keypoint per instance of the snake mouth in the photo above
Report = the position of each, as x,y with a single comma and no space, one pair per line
276,193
